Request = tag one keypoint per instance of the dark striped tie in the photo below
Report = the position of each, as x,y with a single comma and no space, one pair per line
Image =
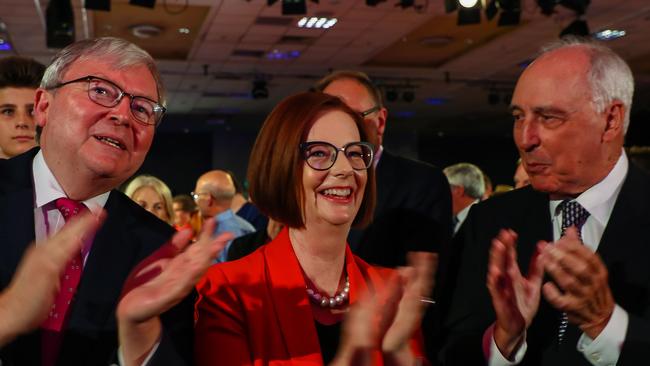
573,214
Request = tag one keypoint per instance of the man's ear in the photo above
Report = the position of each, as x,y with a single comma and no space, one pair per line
41,107
614,116
382,114
457,191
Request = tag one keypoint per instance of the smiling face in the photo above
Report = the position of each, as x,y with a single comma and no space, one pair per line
333,196
84,140
565,145
16,121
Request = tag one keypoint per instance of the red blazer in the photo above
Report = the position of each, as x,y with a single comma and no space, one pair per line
255,310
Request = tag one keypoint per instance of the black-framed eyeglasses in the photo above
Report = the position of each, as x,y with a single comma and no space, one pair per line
107,94
321,155
369,111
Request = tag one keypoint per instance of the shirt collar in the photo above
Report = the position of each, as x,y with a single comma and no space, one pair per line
378,154
464,212
48,189
225,215
599,200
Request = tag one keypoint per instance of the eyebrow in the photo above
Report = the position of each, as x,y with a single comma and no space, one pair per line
543,110
8,105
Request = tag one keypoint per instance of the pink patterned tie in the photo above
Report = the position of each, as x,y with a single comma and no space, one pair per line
53,325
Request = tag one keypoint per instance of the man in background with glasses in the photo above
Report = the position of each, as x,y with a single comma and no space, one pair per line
98,106
213,196
413,211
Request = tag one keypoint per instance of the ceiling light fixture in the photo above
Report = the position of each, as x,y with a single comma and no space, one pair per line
316,22
468,3
146,31
469,12
144,3
609,34
259,91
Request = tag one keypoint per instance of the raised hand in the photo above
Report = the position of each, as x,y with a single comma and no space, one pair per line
387,320
583,279
515,298
28,298
416,284
160,282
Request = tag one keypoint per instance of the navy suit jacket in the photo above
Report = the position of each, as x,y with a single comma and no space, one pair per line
128,235
413,212
624,248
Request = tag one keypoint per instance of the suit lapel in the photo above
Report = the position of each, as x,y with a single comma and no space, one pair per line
621,246
385,180
109,263
289,297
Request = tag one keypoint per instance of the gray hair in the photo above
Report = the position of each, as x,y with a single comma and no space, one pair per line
121,53
609,76
468,176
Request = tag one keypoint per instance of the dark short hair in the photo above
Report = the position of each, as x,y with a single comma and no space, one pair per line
358,76
186,202
276,164
20,72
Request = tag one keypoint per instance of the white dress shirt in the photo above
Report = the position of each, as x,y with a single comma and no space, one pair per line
599,201
462,215
47,218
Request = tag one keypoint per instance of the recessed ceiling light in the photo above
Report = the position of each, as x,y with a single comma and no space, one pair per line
316,22
609,34
146,30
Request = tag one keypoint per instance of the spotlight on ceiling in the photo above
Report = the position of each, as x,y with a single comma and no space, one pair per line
491,9
259,91
144,3
104,5
469,12
405,4
493,98
59,20
510,11
408,96
578,28
294,7
391,95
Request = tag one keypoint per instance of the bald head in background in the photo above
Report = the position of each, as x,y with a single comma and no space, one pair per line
213,195
214,192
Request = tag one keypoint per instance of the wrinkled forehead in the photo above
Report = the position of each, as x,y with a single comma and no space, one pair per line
133,78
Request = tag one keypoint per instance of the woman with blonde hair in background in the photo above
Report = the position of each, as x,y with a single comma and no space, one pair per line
153,195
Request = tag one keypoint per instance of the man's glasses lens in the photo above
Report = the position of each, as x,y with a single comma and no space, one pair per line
107,94
323,155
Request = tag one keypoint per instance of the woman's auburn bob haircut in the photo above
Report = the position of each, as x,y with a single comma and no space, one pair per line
276,164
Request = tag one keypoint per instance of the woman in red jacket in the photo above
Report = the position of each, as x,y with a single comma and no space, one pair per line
311,170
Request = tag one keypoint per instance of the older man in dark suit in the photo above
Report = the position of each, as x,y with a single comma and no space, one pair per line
413,210
586,297
98,107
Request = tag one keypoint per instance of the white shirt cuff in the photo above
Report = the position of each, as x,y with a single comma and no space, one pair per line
495,358
606,348
120,357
